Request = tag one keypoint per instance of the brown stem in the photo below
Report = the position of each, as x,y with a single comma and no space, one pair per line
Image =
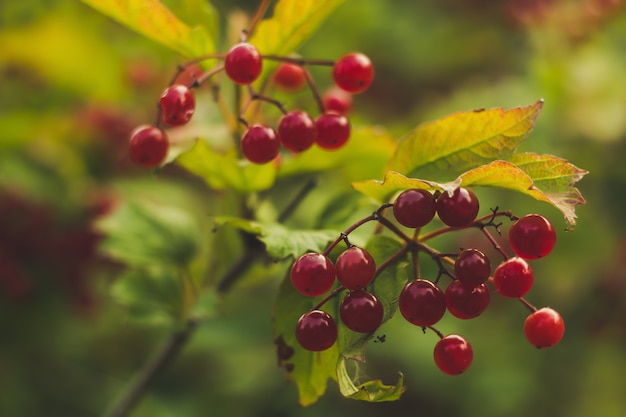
529,306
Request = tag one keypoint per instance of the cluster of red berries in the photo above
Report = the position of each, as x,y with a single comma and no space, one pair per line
297,131
421,301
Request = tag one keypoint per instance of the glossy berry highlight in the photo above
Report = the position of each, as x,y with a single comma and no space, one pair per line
544,328
414,208
360,311
243,63
177,105
148,146
513,278
260,144
353,73
472,267
355,268
459,208
453,354
312,274
422,302
466,303
316,330
532,236
333,130
297,131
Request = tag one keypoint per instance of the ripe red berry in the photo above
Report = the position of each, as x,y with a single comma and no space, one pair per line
532,236
513,278
422,302
289,77
177,105
297,131
466,303
472,267
360,311
313,274
544,328
316,330
337,100
414,208
459,208
260,144
355,268
243,63
148,146
453,354
353,72
333,130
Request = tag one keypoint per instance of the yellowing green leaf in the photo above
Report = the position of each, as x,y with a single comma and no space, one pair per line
155,21
449,146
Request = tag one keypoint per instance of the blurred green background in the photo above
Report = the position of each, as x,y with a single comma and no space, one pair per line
72,85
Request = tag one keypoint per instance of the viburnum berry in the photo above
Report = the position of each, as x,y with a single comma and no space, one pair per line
289,77
422,302
353,72
297,131
532,236
544,328
360,311
312,274
453,354
459,208
177,105
414,208
148,146
337,100
333,130
355,268
466,303
472,267
243,63
316,330
260,144
513,278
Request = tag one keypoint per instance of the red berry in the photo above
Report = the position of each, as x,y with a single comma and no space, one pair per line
472,267
148,146
513,278
337,100
355,268
466,303
422,302
177,104
333,131
316,330
459,208
360,311
544,328
243,63
532,236
260,144
297,131
453,354
353,73
289,77
313,274
414,208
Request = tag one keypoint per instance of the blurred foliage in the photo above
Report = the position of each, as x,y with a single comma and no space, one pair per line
72,85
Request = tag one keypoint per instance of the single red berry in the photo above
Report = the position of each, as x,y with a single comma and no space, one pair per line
453,354
355,268
316,330
532,236
459,208
148,146
360,311
414,208
544,328
313,274
513,278
333,130
472,267
289,77
260,144
177,105
353,72
297,131
422,302
243,63
337,100
466,303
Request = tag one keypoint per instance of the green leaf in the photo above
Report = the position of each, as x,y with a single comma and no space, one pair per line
280,241
223,171
153,20
291,24
453,144
371,391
